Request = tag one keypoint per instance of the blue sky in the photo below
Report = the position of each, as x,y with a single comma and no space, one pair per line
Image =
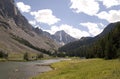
76,17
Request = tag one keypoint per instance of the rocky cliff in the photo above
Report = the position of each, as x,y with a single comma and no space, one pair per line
15,32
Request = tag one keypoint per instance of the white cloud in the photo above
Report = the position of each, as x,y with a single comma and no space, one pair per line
110,3
111,16
93,28
37,26
90,7
74,32
22,7
45,16
32,22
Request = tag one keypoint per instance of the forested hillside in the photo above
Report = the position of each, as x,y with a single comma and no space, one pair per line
106,46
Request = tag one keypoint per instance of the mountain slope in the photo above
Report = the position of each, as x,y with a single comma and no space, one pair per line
14,25
108,46
109,27
61,37
79,45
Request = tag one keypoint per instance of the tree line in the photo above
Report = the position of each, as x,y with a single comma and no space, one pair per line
107,47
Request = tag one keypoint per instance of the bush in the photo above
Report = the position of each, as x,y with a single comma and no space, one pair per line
40,56
26,56
3,54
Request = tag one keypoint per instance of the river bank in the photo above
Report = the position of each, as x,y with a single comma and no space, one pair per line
25,70
83,69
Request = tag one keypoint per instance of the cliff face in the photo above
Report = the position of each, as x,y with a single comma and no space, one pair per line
14,24
8,10
63,38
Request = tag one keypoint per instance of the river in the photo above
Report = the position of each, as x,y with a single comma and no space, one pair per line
24,70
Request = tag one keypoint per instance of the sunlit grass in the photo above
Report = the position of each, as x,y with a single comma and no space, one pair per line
19,57
15,56
84,69
2,59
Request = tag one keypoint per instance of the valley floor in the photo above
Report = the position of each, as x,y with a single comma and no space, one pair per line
83,69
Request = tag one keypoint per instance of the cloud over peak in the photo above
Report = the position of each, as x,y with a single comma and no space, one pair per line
45,16
23,7
93,28
74,32
32,22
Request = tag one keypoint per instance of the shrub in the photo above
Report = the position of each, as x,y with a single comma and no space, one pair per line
40,56
26,56
3,54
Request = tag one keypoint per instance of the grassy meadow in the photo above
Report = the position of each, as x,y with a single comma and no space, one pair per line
83,69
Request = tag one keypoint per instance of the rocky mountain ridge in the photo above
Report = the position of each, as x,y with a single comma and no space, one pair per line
14,25
61,37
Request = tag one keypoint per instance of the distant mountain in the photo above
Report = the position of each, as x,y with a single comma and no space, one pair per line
86,40
17,35
61,37
76,44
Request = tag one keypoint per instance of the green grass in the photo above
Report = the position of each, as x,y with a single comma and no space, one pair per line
19,57
84,69
2,59
15,56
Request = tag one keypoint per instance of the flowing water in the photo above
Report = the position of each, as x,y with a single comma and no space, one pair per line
24,70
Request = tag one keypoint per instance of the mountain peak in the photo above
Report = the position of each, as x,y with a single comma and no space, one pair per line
62,37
